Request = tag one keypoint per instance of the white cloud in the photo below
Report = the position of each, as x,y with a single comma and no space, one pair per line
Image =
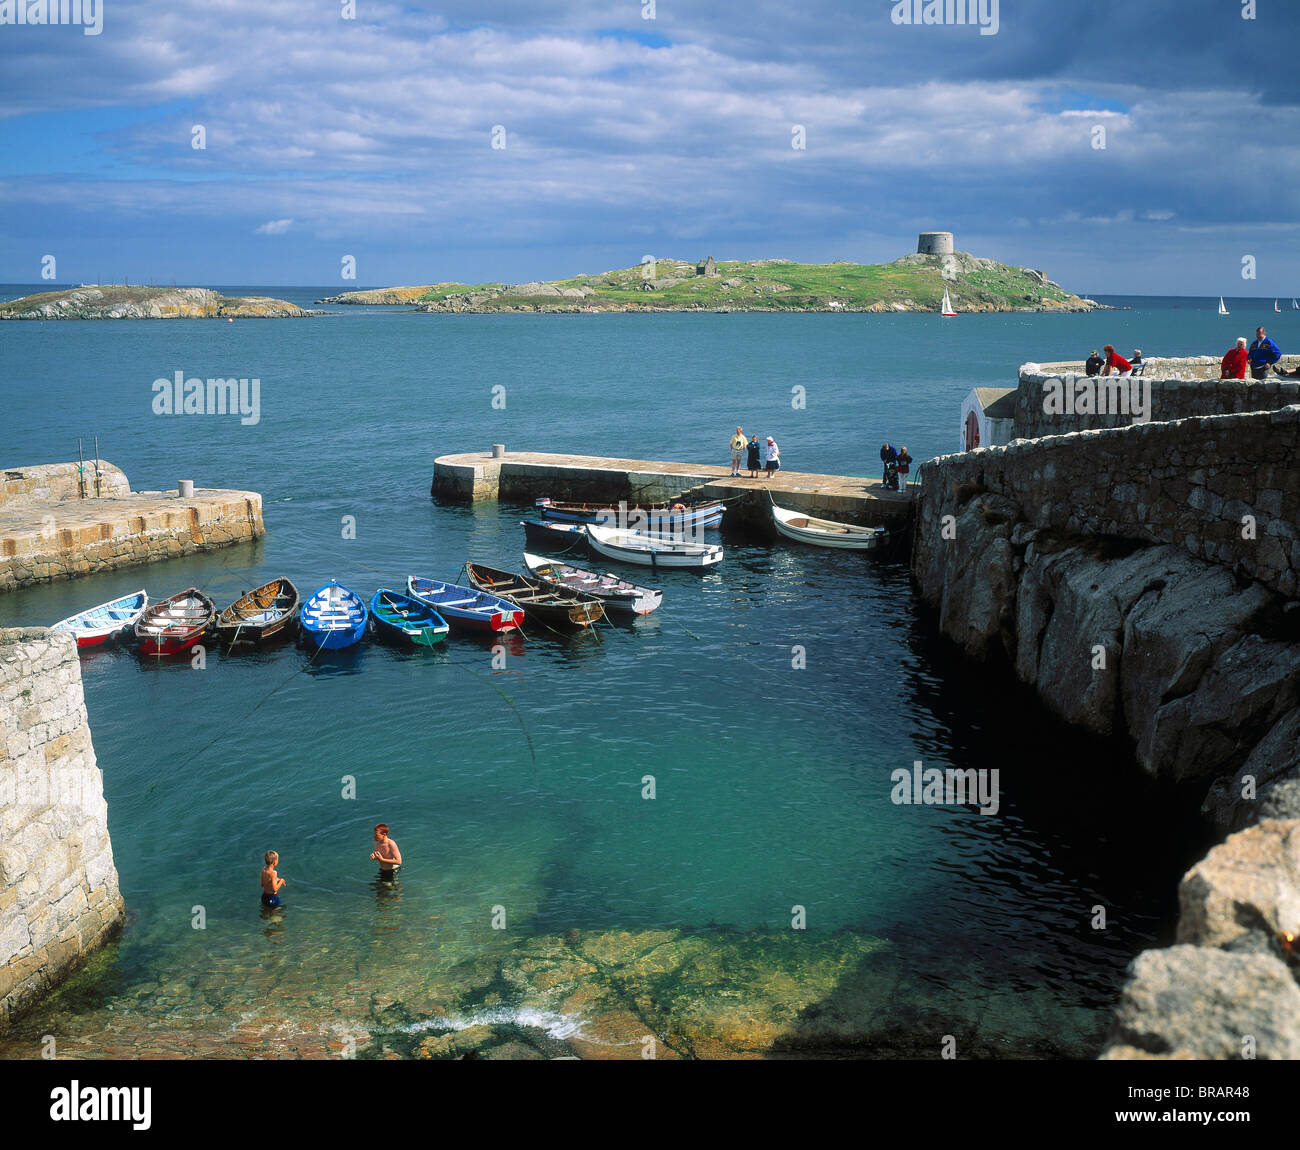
275,227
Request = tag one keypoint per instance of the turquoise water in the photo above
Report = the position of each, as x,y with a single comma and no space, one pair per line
519,786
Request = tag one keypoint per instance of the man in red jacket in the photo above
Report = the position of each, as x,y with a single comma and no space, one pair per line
1234,363
1116,361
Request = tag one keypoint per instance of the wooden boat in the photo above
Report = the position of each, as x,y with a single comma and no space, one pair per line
554,536
257,615
555,606
618,596
99,624
649,550
176,623
466,607
403,617
661,517
826,532
333,617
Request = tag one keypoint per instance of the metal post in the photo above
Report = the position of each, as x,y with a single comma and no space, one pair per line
81,470
97,470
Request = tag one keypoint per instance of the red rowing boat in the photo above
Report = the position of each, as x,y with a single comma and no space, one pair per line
175,624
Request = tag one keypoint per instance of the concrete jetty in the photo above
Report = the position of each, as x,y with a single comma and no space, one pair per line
48,531
522,476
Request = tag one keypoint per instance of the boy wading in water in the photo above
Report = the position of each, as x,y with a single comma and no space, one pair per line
386,854
271,882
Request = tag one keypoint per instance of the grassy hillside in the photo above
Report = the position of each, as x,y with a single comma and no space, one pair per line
914,283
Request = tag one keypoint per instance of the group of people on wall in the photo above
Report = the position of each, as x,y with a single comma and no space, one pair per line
749,453
1260,356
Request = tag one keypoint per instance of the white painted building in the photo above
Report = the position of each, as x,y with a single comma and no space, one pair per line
988,417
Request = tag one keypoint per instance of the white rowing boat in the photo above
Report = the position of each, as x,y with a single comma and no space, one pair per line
649,550
826,532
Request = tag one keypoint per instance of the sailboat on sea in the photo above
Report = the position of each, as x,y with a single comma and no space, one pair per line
1222,307
1295,305
1276,308
946,308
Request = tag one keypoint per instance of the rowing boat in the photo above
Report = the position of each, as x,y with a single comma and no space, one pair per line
97,625
466,607
649,550
403,617
618,596
661,517
826,532
556,606
176,623
257,615
333,617
554,536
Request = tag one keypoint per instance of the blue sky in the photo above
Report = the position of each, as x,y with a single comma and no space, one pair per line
624,136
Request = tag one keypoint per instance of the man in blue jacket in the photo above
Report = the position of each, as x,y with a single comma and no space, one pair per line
1263,353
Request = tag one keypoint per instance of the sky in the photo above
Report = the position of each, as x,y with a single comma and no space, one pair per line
1122,146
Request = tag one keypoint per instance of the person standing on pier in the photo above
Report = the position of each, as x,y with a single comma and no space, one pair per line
773,455
887,456
737,452
752,460
904,466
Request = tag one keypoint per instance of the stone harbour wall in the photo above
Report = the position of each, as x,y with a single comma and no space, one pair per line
44,542
1164,398
1190,483
1108,570
59,896
51,482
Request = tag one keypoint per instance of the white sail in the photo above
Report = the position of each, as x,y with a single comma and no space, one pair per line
946,308
1276,308
1222,308
1295,304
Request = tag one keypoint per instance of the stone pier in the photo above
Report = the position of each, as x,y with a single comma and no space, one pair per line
59,896
48,531
522,476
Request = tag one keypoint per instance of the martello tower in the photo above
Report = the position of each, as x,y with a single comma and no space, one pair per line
935,244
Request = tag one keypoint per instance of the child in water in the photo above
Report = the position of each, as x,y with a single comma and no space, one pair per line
271,882
386,854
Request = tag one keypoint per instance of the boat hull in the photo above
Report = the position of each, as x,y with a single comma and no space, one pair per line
97,625
466,608
556,606
333,617
617,596
268,612
175,624
555,536
660,518
404,619
826,532
651,551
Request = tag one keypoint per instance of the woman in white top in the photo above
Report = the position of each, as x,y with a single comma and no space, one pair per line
772,454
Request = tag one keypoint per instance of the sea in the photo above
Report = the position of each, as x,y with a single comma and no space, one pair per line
697,808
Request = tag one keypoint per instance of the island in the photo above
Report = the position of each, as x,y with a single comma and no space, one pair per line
122,301
914,283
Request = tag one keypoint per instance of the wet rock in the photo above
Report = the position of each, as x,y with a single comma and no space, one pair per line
1266,786
1246,891
1209,1004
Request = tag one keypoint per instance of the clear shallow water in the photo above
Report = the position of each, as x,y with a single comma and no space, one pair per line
520,786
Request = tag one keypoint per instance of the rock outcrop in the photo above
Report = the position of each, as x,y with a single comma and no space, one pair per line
116,301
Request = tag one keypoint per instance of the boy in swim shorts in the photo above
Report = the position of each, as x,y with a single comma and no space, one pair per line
271,882
386,854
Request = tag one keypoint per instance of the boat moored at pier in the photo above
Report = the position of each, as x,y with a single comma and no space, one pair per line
97,625
176,623
826,532
333,617
648,550
256,616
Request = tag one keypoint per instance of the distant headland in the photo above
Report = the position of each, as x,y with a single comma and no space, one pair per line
122,301
914,283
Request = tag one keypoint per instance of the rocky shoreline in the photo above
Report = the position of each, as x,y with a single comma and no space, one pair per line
114,301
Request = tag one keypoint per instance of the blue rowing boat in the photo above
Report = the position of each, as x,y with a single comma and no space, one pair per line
465,606
405,618
333,617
